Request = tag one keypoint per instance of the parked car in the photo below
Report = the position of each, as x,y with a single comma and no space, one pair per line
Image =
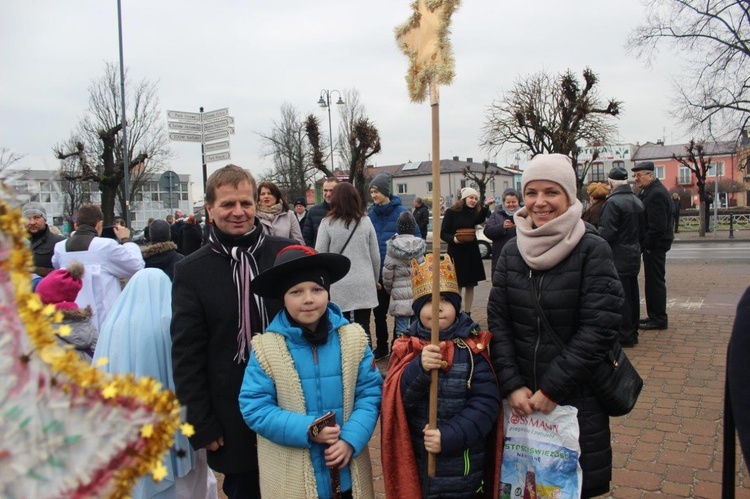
139,237
485,244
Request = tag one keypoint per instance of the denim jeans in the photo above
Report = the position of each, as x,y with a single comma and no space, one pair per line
402,325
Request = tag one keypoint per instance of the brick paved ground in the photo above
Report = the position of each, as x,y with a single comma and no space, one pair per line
671,444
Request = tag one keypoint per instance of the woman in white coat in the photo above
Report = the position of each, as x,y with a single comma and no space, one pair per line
274,214
348,231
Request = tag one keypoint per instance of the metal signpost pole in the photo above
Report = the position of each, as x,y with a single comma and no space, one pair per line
203,156
205,176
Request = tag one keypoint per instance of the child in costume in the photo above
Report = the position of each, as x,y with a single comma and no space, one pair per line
399,252
135,338
60,288
468,439
310,361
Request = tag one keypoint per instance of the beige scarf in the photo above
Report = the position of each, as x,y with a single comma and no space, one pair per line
544,247
269,212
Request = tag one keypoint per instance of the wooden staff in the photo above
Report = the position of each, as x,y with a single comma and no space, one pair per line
435,326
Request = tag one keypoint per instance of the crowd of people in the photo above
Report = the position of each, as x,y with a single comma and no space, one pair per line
260,323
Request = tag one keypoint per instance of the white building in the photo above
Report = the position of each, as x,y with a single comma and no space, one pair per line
609,156
414,179
44,186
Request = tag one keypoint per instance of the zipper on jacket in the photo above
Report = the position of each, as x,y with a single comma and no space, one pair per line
317,376
538,328
328,487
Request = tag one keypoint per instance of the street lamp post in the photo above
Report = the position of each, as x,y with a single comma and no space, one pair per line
125,158
325,103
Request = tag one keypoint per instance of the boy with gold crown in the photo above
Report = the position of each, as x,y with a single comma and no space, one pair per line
468,439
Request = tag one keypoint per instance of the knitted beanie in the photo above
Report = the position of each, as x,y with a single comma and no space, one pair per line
555,168
468,191
60,287
159,231
597,190
406,223
382,182
31,209
453,298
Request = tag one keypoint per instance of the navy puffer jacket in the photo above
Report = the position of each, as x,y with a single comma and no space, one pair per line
311,224
466,416
384,218
582,298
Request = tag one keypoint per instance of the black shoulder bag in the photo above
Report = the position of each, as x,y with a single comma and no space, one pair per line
615,382
341,251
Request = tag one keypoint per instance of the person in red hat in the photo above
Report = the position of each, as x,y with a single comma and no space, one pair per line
60,288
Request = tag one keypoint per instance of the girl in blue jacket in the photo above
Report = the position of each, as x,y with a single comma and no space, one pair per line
311,361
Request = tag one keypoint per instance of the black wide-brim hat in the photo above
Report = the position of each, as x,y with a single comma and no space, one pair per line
295,264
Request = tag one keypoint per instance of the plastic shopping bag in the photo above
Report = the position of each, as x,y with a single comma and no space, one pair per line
540,458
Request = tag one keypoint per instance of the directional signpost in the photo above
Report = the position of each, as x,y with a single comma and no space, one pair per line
216,146
220,156
205,128
179,125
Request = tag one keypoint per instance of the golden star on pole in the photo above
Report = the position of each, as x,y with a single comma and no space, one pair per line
424,40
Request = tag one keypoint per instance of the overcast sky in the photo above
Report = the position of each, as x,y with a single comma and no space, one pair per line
252,56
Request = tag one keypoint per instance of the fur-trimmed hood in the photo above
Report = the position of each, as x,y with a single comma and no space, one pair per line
157,248
77,314
405,247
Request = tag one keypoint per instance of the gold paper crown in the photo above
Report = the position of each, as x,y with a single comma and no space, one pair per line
421,276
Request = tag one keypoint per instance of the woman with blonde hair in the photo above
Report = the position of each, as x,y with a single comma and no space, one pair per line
598,193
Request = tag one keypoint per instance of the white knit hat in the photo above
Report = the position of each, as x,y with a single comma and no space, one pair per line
557,168
468,191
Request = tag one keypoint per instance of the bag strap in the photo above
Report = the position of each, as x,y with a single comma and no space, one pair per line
545,324
341,251
612,353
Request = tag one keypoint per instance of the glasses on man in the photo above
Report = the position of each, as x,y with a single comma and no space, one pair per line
642,174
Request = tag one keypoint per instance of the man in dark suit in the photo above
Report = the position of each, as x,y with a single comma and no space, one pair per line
657,238
211,332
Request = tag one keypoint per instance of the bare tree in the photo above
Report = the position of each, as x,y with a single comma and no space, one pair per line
543,113
349,113
481,178
293,169
8,158
312,129
71,176
364,142
97,144
712,37
695,159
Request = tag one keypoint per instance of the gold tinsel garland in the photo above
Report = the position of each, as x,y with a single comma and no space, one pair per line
98,385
